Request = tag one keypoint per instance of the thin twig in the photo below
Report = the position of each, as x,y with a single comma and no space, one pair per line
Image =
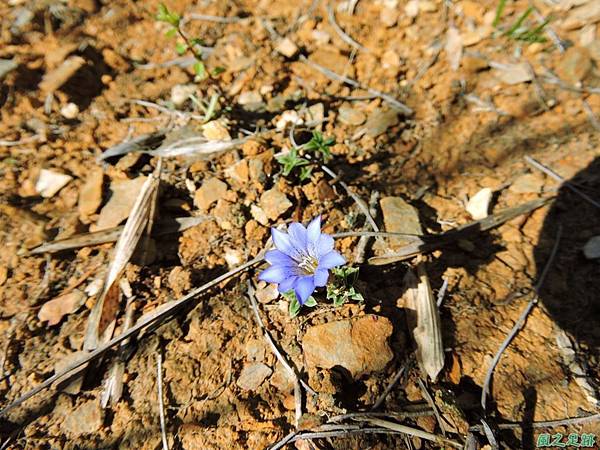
280,357
150,319
391,385
340,32
519,324
27,140
161,406
431,403
385,97
442,292
591,116
560,179
216,19
361,247
544,424
413,432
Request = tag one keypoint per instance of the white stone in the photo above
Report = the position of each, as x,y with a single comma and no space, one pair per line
50,182
591,249
287,47
180,93
478,205
69,111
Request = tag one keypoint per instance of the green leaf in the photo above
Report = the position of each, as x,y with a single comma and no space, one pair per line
197,41
171,32
200,70
164,15
310,302
181,48
218,70
294,308
305,173
499,11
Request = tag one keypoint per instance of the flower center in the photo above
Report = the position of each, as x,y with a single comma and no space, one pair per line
308,265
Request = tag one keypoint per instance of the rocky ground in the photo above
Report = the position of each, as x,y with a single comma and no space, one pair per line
486,85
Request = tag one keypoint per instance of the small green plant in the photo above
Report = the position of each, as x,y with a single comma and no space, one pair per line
305,156
188,44
294,304
342,288
519,30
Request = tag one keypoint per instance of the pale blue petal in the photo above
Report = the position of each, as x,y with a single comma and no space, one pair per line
324,246
303,287
331,259
313,231
287,284
282,242
321,276
277,257
297,234
275,274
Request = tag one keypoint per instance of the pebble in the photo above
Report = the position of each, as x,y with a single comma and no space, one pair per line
479,205
320,37
351,116
7,66
253,375
288,117
123,196
266,292
591,249
56,78
527,183
388,16
250,99
287,47
69,111
399,217
575,65
259,215
380,120
412,8
85,419
360,345
215,130
239,172
513,73
211,190
50,182
274,203
180,93
90,195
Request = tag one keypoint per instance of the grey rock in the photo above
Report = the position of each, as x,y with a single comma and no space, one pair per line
379,122
253,375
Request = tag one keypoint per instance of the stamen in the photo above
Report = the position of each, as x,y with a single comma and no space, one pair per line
308,265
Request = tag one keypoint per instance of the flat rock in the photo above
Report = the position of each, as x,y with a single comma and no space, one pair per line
215,130
527,184
274,203
239,172
287,47
121,201
50,182
591,249
90,195
379,122
399,217
479,205
253,375
575,65
211,190
351,116
359,345
85,419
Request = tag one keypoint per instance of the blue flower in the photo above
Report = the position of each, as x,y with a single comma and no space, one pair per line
302,259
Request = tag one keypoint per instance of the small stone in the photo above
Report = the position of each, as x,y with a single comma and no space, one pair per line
527,184
320,37
211,190
90,195
266,292
249,98
253,375
233,257
7,66
69,111
179,280
287,47
412,8
388,16
513,73
360,345
472,64
255,350
400,217
123,195
591,249
50,182
180,93
380,120
390,59
576,64
479,205
85,419
288,117
583,15
315,113
274,203
259,215
427,6
350,116
54,310
238,172
215,130
59,76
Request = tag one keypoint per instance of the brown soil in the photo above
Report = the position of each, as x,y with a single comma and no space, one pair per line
437,158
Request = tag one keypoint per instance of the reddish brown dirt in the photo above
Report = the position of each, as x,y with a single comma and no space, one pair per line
435,159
